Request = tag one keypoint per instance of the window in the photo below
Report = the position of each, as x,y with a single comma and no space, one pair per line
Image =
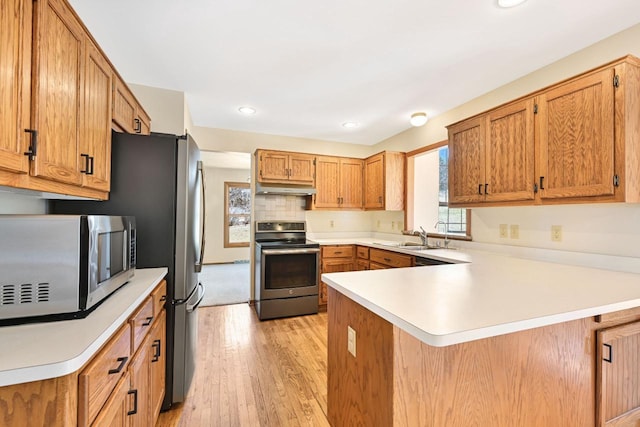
428,195
237,214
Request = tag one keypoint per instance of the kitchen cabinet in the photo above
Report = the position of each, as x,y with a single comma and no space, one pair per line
362,258
384,177
15,57
389,259
285,167
491,157
334,259
338,183
128,114
158,363
572,142
114,413
618,375
140,388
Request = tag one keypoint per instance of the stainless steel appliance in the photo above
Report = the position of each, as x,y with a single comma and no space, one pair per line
159,179
286,270
56,267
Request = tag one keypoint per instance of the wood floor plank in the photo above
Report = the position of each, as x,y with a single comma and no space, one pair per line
253,373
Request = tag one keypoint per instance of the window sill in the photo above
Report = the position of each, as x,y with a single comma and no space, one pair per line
439,236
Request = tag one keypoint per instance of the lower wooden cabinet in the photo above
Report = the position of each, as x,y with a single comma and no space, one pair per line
335,259
114,413
140,388
390,259
158,361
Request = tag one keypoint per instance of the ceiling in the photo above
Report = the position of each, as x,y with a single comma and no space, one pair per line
307,67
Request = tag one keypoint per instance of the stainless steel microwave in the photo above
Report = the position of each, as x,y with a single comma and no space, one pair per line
62,266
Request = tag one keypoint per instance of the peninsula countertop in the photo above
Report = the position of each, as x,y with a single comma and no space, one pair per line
485,294
40,351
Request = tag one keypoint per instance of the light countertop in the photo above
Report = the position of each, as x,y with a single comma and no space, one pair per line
485,295
41,351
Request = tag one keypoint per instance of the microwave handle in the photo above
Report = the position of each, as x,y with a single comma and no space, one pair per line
125,247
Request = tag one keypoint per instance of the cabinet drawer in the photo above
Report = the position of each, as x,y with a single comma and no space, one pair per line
362,252
159,297
362,264
141,323
391,259
340,251
99,378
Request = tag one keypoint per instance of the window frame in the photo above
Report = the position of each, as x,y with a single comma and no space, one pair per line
408,219
227,215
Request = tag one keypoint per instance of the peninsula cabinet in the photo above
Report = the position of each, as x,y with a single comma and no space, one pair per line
572,142
384,177
338,183
279,167
491,156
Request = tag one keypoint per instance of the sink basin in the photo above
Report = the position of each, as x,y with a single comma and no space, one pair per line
417,247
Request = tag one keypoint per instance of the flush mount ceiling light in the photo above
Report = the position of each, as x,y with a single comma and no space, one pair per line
418,119
510,3
350,125
247,110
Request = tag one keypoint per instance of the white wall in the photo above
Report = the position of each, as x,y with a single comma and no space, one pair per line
20,204
215,252
165,107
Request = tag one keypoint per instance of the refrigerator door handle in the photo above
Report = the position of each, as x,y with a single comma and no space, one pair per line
191,308
203,215
184,301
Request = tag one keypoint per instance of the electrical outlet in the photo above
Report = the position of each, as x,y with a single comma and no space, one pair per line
331,223
556,233
504,231
393,225
378,224
515,231
351,341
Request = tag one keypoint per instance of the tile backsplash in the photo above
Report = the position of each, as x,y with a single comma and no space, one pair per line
278,207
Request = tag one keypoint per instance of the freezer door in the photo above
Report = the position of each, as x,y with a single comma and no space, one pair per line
186,336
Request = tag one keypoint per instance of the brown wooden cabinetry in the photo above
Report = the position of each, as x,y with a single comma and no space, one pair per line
114,413
140,388
285,167
128,114
335,259
158,356
572,142
384,181
362,258
338,183
491,156
389,259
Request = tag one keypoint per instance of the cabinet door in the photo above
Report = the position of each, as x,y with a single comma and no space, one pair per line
323,294
273,166
114,412
139,371
337,265
143,122
158,364
362,264
467,161
57,92
301,168
327,182
95,143
124,106
351,183
374,182
15,72
575,130
618,376
509,153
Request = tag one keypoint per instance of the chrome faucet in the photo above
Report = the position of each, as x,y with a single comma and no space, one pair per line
423,237
446,238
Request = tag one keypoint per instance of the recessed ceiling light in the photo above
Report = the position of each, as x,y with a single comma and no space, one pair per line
418,119
350,125
247,110
510,3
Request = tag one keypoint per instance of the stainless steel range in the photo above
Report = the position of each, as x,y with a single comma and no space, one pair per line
286,279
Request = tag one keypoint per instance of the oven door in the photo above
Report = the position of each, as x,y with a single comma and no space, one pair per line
287,273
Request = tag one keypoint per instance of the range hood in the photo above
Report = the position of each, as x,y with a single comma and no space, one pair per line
287,190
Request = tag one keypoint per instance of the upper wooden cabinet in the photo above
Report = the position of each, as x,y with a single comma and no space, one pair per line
573,142
338,183
15,57
384,181
491,156
285,167
575,129
128,114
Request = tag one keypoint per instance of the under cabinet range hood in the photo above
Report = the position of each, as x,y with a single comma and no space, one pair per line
287,190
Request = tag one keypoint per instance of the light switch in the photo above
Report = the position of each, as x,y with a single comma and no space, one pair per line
515,231
351,341
504,233
556,233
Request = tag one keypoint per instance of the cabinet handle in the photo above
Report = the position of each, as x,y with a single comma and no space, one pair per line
610,358
379,199
90,166
486,189
157,350
148,322
480,189
123,361
86,163
535,187
338,252
163,298
135,402
541,182
137,128
387,259
33,148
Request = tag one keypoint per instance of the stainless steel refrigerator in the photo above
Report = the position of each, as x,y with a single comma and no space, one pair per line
159,180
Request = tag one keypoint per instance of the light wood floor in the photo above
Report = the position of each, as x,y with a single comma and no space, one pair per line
252,373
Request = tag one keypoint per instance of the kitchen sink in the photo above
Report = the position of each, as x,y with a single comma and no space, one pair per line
417,246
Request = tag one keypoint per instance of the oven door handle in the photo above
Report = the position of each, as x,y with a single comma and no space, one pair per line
290,251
